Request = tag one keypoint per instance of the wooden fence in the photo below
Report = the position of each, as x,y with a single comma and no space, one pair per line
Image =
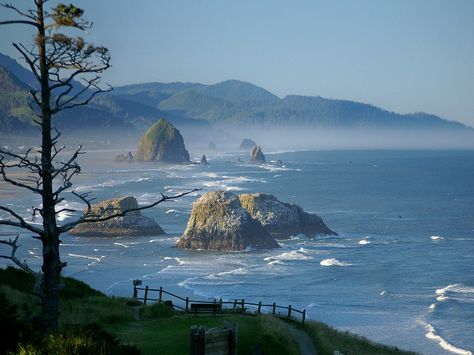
147,294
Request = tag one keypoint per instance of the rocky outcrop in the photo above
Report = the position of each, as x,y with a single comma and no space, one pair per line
218,222
211,146
256,155
128,158
162,142
132,224
247,144
204,161
283,220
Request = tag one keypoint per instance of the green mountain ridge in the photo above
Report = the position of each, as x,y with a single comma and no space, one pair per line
236,102
195,105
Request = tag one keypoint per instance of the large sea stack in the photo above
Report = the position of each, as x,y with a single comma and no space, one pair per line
132,224
218,222
283,220
162,142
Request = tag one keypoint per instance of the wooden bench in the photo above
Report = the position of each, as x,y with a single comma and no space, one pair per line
206,308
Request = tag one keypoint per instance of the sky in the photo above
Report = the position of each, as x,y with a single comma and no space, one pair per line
401,55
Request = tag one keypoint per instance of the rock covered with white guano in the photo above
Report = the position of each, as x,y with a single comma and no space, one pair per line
283,220
218,222
132,224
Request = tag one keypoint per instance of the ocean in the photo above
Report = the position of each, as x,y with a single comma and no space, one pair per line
401,270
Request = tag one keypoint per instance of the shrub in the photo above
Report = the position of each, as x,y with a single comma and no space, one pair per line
75,340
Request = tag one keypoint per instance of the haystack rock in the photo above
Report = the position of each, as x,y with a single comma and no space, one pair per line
256,155
132,224
162,142
218,222
283,220
247,144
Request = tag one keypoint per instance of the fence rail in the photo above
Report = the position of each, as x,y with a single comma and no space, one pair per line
145,294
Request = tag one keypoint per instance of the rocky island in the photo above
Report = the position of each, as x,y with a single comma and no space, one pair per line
219,222
256,155
283,220
132,224
247,144
162,142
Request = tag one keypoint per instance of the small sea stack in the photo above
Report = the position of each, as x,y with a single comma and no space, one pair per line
211,146
247,144
132,224
204,160
256,155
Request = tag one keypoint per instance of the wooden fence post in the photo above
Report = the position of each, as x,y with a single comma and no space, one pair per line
135,292
194,340
187,304
259,307
220,304
274,308
146,295
243,303
289,311
161,294
235,304
304,315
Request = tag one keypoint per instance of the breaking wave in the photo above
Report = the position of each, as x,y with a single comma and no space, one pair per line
333,262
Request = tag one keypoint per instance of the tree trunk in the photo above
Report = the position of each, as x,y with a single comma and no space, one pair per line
51,261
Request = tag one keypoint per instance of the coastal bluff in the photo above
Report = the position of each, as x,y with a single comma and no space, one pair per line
282,220
132,224
162,142
219,222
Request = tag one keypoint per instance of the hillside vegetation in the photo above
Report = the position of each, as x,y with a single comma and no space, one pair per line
94,323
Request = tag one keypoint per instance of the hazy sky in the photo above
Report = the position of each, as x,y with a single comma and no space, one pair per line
402,55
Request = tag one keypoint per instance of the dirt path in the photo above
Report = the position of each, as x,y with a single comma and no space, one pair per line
303,340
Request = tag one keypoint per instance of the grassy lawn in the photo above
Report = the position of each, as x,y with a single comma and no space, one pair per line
172,335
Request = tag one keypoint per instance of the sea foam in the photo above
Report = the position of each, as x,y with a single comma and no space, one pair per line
443,343
333,262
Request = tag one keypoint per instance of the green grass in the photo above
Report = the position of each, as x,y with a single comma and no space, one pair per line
327,339
96,309
171,335
157,328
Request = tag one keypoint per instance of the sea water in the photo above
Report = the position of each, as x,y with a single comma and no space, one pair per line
401,270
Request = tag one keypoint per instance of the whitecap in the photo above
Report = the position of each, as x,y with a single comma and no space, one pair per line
95,258
276,262
333,262
432,307
458,292
443,343
436,237
364,242
122,245
171,211
291,255
383,293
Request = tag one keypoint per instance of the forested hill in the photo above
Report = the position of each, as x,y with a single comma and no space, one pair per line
238,102
195,105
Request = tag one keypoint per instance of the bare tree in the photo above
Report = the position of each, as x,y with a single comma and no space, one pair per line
59,62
